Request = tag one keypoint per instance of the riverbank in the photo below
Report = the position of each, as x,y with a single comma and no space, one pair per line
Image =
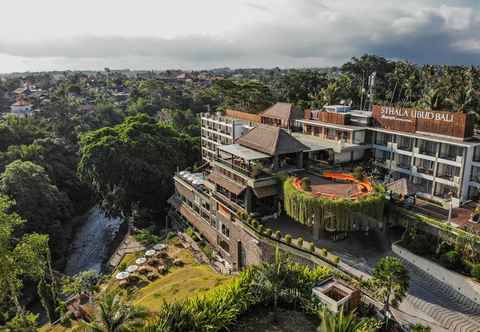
92,242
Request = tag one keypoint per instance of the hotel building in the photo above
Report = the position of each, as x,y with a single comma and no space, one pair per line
436,151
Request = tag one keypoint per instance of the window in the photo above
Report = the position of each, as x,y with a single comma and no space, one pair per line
223,244
225,231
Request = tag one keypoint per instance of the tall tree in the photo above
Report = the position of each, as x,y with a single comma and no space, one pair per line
131,165
38,201
272,278
390,281
20,257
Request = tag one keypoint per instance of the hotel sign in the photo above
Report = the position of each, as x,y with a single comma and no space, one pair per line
456,125
408,114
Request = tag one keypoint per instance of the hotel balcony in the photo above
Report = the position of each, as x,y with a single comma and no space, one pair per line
404,165
406,147
451,157
447,176
381,142
427,152
423,170
249,170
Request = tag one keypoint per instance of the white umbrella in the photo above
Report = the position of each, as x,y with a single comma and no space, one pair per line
150,252
140,260
132,268
122,275
159,246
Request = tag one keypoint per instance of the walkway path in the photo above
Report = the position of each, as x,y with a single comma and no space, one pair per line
128,245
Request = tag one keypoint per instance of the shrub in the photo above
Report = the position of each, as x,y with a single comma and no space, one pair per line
122,266
323,252
288,238
475,271
260,228
195,237
208,251
420,328
268,232
189,231
311,247
306,184
420,245
358,173
451,259
146,236
254,223
277,235
300,242
336,259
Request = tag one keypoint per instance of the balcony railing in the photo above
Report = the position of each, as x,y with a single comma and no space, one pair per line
423,170
407,147
452,157
427,152
252,172
381,142
404,165
445,176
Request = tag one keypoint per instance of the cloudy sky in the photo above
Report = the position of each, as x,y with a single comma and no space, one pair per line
192,34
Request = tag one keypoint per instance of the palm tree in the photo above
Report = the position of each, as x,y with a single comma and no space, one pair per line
340,322
271,278
115,315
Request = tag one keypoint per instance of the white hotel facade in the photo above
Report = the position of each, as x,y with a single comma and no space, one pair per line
436,151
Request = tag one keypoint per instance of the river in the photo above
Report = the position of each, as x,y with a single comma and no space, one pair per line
90,245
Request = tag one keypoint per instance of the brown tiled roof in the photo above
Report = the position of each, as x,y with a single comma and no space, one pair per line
271,140
226,183
282,111
243,115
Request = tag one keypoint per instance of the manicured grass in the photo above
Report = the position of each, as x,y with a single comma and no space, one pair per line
287,321
180,282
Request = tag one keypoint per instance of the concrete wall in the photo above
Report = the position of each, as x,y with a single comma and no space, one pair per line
460,283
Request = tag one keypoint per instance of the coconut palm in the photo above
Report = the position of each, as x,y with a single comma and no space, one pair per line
341,322
115,315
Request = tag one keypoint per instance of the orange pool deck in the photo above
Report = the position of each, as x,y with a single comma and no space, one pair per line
354,190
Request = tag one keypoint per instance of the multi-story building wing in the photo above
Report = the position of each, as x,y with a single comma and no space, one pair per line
436,152
241,180
219,130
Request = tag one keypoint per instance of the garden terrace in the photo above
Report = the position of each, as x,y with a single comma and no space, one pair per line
332,211
332,185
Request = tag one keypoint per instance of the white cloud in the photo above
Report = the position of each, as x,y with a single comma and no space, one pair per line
211,33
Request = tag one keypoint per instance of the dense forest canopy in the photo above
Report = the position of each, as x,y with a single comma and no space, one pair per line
114,139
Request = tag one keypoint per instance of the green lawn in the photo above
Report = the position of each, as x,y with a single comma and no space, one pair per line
180,282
